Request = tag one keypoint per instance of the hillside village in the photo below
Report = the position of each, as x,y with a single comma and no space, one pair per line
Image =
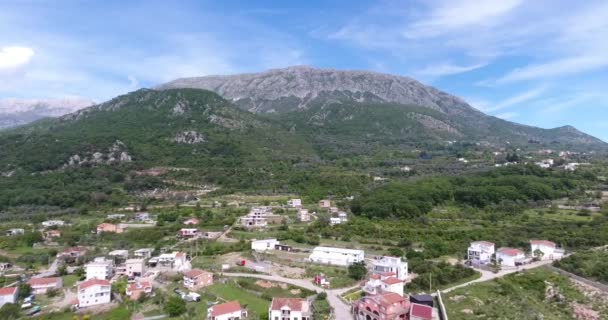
346,283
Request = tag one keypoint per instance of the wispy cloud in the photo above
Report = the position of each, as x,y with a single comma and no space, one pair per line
507,115
445,69
515,100
555,68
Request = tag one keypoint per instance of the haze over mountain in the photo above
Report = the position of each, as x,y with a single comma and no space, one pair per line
15,112
315,91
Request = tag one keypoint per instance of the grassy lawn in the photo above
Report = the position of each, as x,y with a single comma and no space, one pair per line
228,292
69,280
338,277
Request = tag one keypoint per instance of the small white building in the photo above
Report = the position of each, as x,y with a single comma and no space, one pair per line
15,232
549,249
177,261
289,309
188,232
303,215
143,253
53,223
391,264
226,311
100,268
343,216
123,254
510,257
264,245
480,252
295,203
94,292
116,216
336,256
8,295
135,267
334,221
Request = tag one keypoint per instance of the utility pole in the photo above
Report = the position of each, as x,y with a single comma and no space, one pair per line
430,281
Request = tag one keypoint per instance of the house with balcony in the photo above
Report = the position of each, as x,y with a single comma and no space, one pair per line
391,264
141,287
94,292
548,249
383,283
289,309
197,278
480,252
99,268
386,306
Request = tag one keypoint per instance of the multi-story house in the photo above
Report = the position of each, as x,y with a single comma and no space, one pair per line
386,306
43,285
383,283
100,268
197,278
289,309
226,311
391,264
480,252
94,292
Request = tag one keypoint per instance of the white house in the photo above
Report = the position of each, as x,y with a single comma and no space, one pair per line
391,264
116,216
294,203
132,268
15,232
188,232
480,252
303,215
289,309
343,216
100,268
548,248
336,256
383,283
177,261
509,257
43,285
263,245
53,223
122,253
93,292
226,311
334,221
8,295
143,253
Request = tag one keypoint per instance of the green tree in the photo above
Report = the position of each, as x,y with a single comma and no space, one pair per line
24,290
9,311
357,270
175,306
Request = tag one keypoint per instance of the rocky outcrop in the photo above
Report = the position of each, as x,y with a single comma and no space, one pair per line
189,137
117,153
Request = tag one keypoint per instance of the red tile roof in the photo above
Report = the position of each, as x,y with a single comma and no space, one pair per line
510,251
391,298
293,304
93,282
43,281
8,291
141,285
387,274
224,308
391,280
421,311
543,242
375,276
194,273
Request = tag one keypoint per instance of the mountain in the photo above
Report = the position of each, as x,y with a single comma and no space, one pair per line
16,112
312,96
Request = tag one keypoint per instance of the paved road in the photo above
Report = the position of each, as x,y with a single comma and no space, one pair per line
489,275
50,271
342,310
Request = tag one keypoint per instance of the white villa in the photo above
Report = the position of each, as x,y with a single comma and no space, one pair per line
93,292
100,268
336,256
480,252
391,264
334,221
343,216
53,223
294,203
177,261
143,253
325,203
289,309
548,248
510,257
257,217
263,245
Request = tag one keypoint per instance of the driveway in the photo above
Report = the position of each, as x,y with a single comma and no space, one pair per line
341,309
50,271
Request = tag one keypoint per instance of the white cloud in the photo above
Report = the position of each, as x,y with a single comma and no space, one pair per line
454,15
445,69
507,115
517,99
133,83
558,67
15,57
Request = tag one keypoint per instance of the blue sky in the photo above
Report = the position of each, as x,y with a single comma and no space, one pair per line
542,63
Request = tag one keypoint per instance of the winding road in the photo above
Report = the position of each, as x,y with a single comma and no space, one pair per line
341,309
